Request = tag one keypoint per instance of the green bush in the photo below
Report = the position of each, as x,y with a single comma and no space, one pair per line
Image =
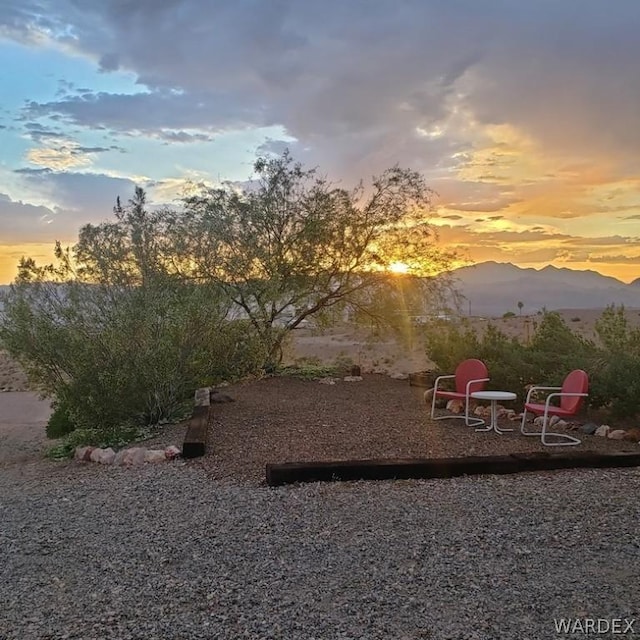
553,351
118,356
60,423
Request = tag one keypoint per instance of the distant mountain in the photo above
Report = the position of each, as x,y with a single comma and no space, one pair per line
493,288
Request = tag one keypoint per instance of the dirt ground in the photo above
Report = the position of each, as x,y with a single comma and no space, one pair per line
288,420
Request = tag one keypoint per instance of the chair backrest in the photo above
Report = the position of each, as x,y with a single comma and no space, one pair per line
576,382
471,369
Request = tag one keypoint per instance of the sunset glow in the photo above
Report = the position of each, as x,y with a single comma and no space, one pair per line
399,267
540,172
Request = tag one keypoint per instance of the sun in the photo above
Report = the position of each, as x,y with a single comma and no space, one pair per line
398,267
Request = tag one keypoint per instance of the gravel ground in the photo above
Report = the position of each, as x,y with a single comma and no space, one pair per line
165,552
287,420
202,550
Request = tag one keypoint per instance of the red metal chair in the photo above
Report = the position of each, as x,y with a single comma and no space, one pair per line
572,393
471,375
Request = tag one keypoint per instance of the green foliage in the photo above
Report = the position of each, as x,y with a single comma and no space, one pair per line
60,423
509,314
114,336
309,371
616,380
293,245
551,354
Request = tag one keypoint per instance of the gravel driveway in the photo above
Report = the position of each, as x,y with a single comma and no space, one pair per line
164,552
23,417
178,551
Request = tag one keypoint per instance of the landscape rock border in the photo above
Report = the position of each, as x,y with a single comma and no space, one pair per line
131,457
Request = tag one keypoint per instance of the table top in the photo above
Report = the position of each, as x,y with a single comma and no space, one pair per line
494,395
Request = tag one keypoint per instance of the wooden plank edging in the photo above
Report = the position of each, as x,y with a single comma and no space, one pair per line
424,468
195,439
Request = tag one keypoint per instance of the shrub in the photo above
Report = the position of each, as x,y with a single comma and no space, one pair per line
117,356
553,351
60,423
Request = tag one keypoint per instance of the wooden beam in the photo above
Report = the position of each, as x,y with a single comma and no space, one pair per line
195,440
416,468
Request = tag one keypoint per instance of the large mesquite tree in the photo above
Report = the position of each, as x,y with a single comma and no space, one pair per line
291,245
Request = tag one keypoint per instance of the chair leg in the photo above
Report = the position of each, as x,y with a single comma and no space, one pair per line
527,433
469,421
433,404
563,439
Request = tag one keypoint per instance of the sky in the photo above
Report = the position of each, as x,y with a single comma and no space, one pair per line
522,115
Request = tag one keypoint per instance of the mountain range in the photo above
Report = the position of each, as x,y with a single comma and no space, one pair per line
494,288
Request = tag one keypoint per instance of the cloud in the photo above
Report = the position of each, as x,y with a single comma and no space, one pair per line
84,197
19,220
522,109
615,259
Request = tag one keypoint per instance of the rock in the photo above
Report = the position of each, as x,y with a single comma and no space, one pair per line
137,455
154,455
589,428
327,381
130,457
172,452
428,396
478,411
632,435
560,423
617,434
554,420
538,422
83,454
121,457
218,397
95,455
352,378
107,456
455,406
202,397
602,430
398,376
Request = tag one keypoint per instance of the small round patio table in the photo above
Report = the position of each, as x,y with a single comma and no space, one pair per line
494,397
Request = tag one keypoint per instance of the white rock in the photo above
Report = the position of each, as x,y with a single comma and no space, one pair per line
617,434
538,422
560,423
352,378
128,457
137,455
202,397
455,406
553,420
399,376
107,456
172,452
154,455
95,455
602,430
83,454
327,381
428,396
121,457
